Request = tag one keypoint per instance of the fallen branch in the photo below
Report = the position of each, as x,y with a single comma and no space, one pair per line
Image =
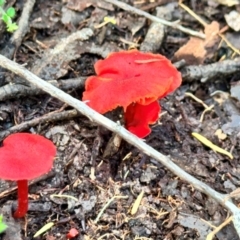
121,131
210,71
155,35
134,10
189,74
10,90
10,190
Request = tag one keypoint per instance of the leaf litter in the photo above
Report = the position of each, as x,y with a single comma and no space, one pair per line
196,50
166,198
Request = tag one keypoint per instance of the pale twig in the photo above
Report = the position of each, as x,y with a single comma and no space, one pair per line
211,235
125,134
139,12
205,111
207,108
23,25
196,99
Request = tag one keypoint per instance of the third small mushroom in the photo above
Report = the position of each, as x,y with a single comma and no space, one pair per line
25,156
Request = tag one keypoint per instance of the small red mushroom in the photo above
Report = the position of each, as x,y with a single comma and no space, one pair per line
25,156
133,80
73,232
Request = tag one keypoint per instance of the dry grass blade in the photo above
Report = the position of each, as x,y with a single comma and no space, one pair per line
209,144
137,203
106,206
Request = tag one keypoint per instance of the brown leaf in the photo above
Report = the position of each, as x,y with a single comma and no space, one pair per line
196,50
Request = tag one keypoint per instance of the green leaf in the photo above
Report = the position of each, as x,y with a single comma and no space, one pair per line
12,27
3,226
6,18
2,2
11,12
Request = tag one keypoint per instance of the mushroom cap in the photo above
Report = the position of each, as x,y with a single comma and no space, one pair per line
130,77
137,118
25,156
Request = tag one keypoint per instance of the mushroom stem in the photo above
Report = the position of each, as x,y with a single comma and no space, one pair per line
22,199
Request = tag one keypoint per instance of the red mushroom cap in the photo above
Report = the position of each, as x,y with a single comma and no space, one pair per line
73,232
138,117
130,77
25,156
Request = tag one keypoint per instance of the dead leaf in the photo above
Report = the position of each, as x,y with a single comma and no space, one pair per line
220,134
130,23
196,50
233,38
77,5
228,3
194,222
233,20
73,17
235,90
232,126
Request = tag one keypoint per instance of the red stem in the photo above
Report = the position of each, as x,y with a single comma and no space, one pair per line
22,199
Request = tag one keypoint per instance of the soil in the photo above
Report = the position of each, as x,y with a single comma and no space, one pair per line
94,184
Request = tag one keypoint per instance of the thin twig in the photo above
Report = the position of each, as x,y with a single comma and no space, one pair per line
134,10
10,190
10,90
125,134
23,23
50,117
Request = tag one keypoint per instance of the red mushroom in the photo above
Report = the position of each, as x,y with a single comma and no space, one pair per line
73,232
133,80
25,156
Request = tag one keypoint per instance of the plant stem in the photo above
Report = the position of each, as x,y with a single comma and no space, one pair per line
22,199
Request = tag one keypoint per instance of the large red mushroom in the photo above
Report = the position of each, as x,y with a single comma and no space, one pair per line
134,81
25,156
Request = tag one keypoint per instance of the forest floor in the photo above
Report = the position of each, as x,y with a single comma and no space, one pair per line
93,187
